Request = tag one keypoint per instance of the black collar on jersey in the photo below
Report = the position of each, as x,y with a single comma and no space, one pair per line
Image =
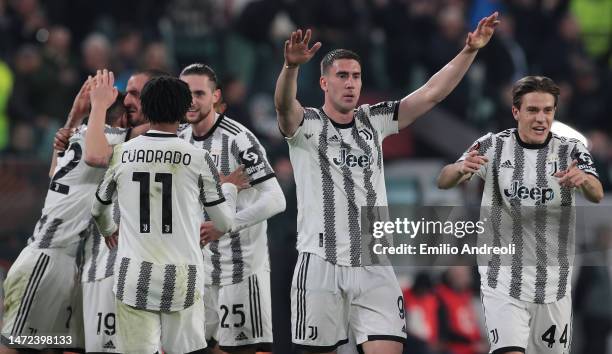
160,135
532,146
339,125
210,132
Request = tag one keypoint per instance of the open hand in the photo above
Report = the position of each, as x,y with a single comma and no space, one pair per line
102,91
483,33
296,48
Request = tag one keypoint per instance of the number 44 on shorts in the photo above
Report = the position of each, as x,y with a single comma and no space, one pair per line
549,336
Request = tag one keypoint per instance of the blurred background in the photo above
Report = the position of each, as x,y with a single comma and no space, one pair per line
47,49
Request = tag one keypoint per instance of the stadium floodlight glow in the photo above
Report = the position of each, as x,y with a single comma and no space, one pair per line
568,132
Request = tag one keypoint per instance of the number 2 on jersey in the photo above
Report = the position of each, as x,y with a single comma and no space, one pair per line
145,201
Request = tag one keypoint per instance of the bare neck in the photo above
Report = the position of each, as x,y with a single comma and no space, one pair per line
202,127
337,116
165,127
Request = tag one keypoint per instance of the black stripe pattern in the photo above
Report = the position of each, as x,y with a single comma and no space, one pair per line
496,215
142,286
123,269
564,227
255,307
45,241
540,229
95,251
517,226
300,323
30,293
168,287
329,206
191,285
237,258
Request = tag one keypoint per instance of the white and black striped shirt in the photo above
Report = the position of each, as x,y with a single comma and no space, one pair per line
161,183
525,206
338,169
66,213
235,257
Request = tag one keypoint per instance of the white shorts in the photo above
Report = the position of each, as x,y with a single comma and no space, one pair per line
328,300
99,310
145,332
42,298
516,325
239,316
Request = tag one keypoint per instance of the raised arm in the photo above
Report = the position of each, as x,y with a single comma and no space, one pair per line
78,111
102,94
442,83
289,111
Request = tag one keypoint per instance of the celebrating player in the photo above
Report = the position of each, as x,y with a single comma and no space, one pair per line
161,182
530,176
237,296
336,153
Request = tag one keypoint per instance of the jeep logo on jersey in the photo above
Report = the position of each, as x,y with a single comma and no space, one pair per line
540,195
249,157
346,158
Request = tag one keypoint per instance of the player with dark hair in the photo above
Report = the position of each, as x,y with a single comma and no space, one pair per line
336,153
530,177
161,183
42,297
237,296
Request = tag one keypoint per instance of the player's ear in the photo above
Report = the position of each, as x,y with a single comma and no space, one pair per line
515,112
323,83
216,96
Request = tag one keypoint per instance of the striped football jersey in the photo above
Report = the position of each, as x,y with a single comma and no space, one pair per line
338,169
526,206
235,257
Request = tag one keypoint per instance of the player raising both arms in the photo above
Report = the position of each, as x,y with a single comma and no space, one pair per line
336,153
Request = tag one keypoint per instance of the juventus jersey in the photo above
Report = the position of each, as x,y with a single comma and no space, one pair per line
67,209
525,206
338,170
160,181
98,261
235,257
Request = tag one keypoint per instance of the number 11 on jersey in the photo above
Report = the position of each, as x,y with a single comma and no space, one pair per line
145,200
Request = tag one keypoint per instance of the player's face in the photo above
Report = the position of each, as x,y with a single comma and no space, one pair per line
132,99
203,98
342,84
535,116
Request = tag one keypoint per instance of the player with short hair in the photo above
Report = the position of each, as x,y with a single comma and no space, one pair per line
98,259
530,177
237,295
336,153
161,183
42,295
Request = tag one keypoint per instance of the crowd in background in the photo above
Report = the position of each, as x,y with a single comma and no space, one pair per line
48,48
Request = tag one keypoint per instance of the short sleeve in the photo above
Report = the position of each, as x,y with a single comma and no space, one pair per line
309,127
584,159
383,117
248,151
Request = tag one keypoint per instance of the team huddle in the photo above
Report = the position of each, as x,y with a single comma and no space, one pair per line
153,236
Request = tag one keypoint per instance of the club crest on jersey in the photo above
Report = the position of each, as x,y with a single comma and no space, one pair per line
540,195
552,167
351,160
215,158
366,134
